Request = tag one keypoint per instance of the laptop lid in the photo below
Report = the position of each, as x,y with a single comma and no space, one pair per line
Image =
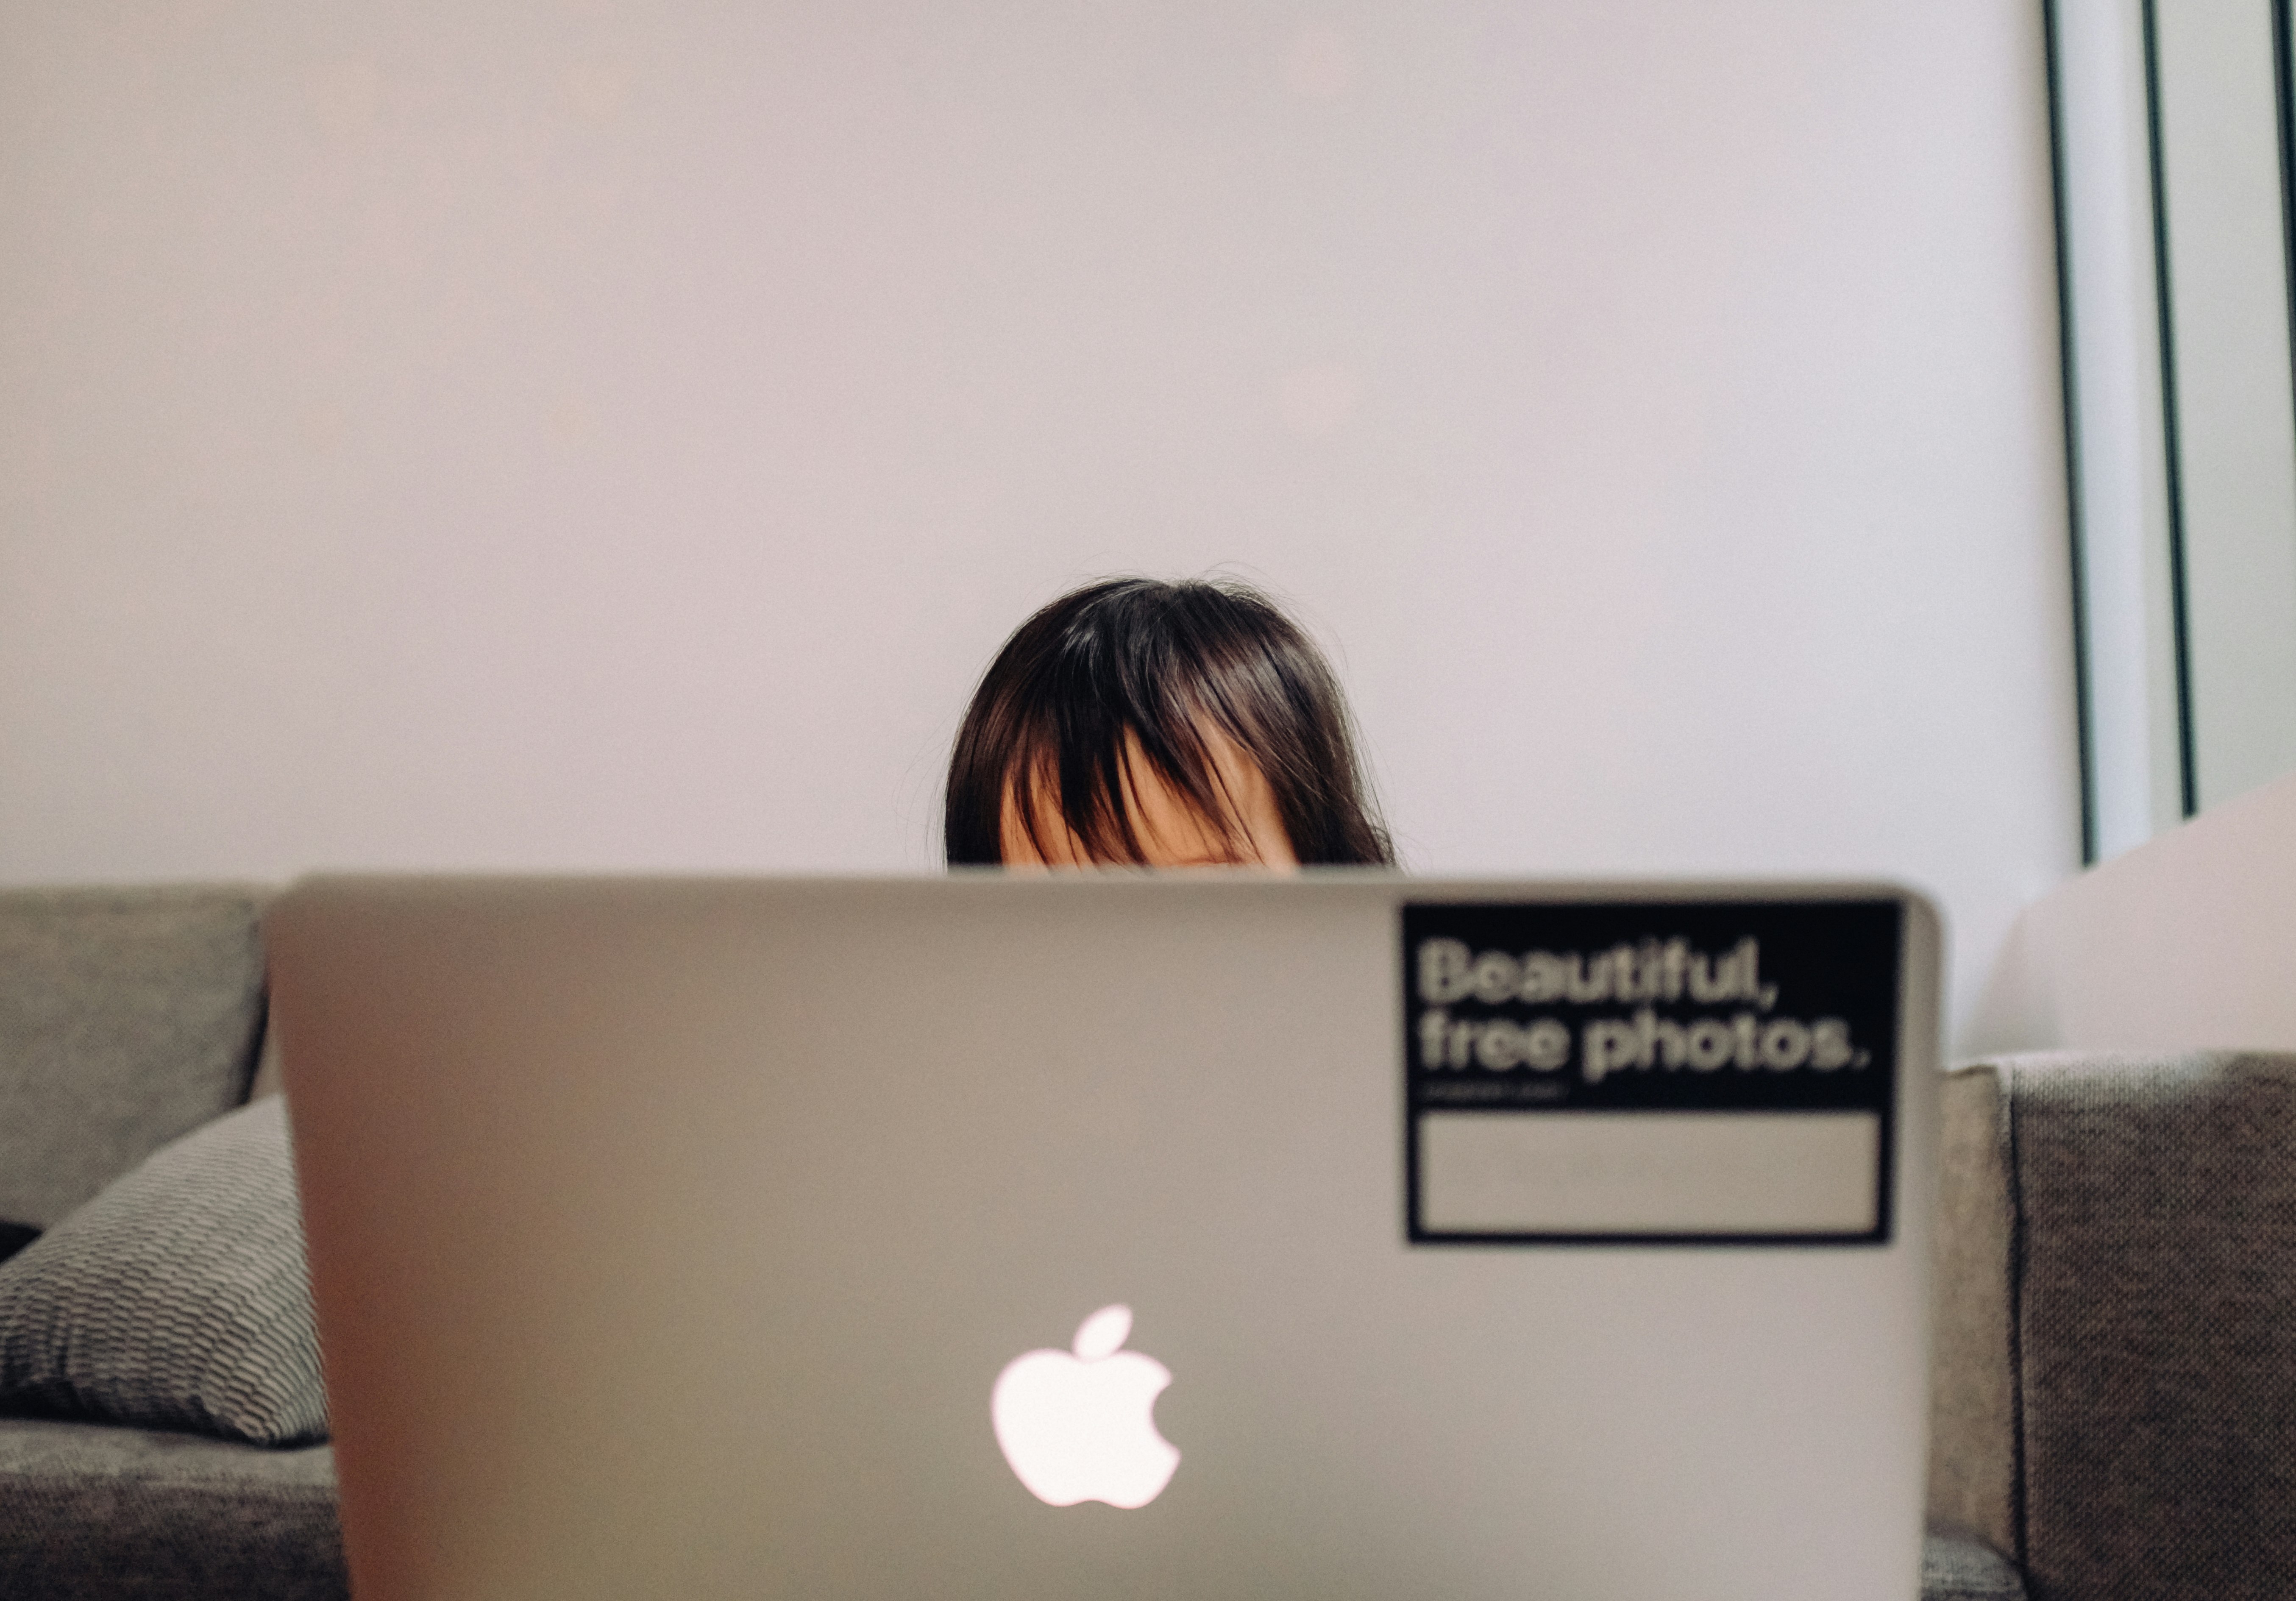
1204,1235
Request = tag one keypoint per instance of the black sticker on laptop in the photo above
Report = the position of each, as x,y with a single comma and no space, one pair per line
1657,1073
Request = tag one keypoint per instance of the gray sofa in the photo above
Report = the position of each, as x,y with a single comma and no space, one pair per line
128,1018
2116,1353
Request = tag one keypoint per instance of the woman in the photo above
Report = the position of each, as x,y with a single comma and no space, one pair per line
1161,725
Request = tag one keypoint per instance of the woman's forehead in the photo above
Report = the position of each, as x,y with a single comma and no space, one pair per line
1172,829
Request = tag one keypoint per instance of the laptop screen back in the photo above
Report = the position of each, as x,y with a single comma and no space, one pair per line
1342,1235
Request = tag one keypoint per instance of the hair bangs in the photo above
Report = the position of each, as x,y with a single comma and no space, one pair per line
1187,685
1082,762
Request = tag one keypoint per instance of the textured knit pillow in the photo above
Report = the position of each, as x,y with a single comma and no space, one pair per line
175,1299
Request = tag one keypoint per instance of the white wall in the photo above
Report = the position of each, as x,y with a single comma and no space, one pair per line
529,435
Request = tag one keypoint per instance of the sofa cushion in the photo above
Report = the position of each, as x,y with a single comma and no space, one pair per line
178,1297
1955,1568
89,1513
127,1017
1964,1570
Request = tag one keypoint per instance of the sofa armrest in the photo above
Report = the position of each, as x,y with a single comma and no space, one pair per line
2115,1356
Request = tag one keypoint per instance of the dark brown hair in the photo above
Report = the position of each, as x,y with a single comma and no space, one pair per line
1164,663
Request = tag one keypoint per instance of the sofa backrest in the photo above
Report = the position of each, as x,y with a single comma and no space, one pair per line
127,1016
2115,1403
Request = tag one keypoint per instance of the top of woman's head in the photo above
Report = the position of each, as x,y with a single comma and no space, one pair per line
1133,704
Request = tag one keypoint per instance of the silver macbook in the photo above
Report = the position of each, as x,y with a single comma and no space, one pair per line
1180,1235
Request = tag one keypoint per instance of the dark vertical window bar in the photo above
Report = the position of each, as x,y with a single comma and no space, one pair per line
2283,103
2067,376
2187,763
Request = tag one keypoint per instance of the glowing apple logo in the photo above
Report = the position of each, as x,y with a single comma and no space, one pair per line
1082,1427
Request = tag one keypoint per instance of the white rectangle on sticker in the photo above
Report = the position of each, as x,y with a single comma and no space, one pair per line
1649,1172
